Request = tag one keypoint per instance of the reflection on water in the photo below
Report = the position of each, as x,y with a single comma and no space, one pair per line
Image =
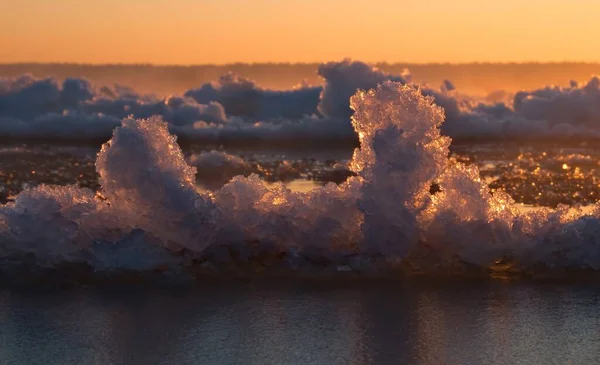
525,208
294,185
317,323
299,185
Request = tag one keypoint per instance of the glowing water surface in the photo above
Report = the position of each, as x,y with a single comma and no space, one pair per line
305,323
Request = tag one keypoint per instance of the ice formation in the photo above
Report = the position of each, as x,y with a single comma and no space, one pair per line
149,213
213,159
218,167
401,153
161,197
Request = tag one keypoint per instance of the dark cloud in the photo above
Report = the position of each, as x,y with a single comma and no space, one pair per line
243,97
235,108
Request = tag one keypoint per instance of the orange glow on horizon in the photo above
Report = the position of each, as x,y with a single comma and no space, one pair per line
227,31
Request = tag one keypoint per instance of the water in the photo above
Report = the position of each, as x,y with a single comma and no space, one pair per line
305,323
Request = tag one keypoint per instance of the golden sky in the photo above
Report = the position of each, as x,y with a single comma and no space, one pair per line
224,31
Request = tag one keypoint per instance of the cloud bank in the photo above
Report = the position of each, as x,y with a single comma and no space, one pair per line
237,110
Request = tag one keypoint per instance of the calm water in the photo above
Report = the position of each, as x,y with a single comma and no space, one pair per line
305,323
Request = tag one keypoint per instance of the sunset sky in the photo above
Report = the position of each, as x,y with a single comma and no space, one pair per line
224,31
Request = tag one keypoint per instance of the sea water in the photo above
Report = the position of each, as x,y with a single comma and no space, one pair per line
305,323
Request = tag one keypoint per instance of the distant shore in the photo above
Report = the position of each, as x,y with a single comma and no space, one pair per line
475,78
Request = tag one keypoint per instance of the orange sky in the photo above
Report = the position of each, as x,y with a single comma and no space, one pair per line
224,31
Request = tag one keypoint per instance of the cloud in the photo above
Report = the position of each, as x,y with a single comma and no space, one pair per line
76,109
244,98
237,110
342,79
574,106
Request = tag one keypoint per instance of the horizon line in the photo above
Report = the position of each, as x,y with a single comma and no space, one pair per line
149,64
